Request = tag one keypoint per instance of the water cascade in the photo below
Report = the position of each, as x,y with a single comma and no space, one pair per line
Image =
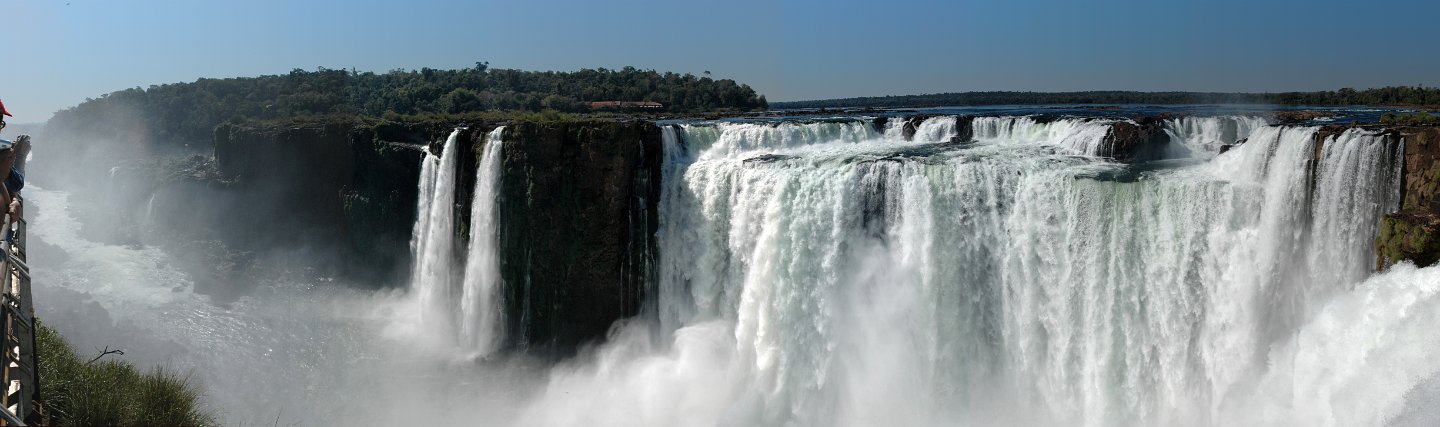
1079,136
1205,134
480,308
936,129
433,276
860,281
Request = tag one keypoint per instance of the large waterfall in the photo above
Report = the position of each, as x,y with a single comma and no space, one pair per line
861,279
835,272
460,306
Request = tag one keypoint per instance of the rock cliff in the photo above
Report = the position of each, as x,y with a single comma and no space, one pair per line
1413,233
578,215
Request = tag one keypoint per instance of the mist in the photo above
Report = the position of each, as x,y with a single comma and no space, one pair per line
822,273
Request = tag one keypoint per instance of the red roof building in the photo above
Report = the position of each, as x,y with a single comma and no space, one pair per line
625,104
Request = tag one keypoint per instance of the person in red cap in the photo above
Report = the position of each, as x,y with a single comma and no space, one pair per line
13,180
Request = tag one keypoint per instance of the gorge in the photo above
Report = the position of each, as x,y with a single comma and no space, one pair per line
921,269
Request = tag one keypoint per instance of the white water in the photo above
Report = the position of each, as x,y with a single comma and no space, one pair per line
936,129
480,308
1205,134
1079,136
433,245
1000,285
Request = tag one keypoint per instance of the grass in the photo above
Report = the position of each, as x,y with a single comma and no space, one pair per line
111,393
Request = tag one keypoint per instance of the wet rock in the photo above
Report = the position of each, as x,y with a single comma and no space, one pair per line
1137,141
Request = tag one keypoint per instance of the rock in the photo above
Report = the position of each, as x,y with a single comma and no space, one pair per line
1295,116
964,129
1409,235
1137,141
578,214
912,123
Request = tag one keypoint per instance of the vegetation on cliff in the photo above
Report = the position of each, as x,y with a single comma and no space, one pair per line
1419,118
84,392
1394,95
187,112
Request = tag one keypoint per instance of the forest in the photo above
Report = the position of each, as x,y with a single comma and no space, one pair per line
188,112
1394,95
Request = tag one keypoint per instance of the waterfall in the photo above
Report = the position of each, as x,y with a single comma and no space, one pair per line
150,209
936,129
480,304
433,276
740,139
459,304
1011,283
1205,134
1079,136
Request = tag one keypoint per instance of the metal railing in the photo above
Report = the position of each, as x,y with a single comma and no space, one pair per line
17,331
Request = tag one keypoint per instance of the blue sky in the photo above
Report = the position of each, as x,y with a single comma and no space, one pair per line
56,53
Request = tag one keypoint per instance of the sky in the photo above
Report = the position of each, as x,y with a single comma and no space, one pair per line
56,53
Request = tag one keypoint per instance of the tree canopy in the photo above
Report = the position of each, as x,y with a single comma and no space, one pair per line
190,111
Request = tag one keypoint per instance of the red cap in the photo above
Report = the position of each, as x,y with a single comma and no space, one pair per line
4,111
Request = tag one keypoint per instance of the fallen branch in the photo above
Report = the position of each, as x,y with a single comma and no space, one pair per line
107,351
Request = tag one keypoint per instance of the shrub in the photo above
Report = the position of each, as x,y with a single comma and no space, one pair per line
1419,118
107,392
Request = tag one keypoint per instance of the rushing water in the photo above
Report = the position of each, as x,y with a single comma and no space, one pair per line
1205,134
433,245
1009,283
833,273
480,306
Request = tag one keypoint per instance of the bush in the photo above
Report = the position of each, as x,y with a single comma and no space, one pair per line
110,393
1420,118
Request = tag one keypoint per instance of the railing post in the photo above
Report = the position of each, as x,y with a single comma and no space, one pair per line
17,329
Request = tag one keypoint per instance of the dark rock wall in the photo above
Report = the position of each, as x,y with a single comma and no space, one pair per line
1139,141
288,180
578,215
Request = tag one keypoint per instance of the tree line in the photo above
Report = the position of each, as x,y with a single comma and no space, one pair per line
190,111
1394,95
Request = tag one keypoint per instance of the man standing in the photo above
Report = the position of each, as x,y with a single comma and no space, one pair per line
13,180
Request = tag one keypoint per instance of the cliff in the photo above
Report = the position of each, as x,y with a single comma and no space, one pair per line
577,211
578,215
1413,233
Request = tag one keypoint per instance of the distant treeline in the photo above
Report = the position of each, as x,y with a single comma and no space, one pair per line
1395,95
190,111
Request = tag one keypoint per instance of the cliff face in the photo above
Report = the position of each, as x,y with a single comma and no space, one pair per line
340,190
577,209
578,216
1413,233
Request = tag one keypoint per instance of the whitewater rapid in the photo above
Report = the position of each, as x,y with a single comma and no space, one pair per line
864,280
841,273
